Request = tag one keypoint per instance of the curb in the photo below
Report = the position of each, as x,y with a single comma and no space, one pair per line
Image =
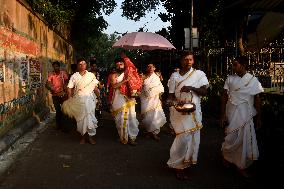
14,134
12,152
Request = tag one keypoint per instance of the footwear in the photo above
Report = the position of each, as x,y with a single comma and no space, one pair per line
132,142
83,140
123,142
244,173
225,163
92,140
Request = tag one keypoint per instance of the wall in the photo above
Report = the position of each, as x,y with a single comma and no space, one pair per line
27,47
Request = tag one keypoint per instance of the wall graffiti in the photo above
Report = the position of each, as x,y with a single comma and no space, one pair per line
25,56
15,116
24,72
7,106
12,40
35,73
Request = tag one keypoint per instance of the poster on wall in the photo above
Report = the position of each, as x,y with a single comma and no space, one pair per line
24,72
2,65
35,73
35,67
2,72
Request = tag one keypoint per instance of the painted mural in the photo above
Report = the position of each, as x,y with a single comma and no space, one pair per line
27,48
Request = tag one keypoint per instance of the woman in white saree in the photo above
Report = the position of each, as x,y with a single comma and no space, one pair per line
81,104
187,81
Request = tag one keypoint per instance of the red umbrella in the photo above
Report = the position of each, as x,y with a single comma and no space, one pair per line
143,41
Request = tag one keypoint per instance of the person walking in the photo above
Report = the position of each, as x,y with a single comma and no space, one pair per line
94,69
151,107
240,103
187,85
134,84
56,84
81,104
123,106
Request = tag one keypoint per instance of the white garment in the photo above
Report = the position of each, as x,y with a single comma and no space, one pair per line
151,107
82,105
240,145
171,82
184,150
123,110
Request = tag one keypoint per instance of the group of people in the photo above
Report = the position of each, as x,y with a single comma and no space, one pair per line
240,103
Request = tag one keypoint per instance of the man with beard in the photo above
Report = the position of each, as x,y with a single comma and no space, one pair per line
122,106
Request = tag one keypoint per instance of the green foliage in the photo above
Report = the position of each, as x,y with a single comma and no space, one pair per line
83,16
88,24
103,51
211,23
216,85
54,14
134,10
208,17
272,109
212,101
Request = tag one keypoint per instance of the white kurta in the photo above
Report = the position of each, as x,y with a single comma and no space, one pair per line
184,150
124,114
240,145
151,107
82,105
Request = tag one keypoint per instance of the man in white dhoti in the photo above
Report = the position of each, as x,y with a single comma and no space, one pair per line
151,106
122,106
240,103
81,103
186,86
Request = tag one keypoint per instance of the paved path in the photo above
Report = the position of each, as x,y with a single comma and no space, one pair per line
57,160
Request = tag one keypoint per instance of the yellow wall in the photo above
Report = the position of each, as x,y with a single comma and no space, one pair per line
27,47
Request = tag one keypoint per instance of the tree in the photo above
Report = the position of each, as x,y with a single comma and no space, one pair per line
134,10
216,20
103,51
84,18
207,17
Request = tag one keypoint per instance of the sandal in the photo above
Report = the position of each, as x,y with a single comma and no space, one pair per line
83,141
132,142
226,163
92,140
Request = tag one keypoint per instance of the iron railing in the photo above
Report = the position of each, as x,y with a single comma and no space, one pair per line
267,64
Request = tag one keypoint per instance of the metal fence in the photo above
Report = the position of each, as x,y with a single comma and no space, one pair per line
267,64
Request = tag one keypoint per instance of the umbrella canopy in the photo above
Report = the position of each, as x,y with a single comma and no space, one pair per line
143,41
